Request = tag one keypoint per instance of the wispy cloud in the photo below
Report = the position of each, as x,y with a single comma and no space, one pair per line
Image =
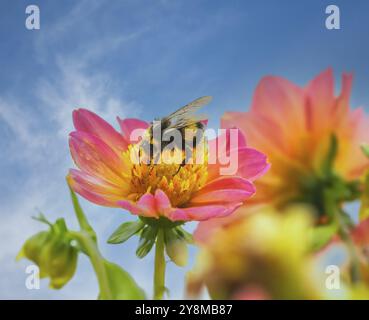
22,127
72,88
38,147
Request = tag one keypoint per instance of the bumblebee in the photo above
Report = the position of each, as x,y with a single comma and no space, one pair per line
184,121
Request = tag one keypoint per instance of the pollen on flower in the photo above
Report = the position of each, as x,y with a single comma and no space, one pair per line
178,181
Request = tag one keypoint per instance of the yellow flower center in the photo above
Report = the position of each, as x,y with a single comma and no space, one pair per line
178,181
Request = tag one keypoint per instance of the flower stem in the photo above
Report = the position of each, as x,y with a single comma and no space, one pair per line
354,260
159,272
97,261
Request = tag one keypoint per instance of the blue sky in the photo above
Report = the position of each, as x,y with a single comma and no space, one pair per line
136,58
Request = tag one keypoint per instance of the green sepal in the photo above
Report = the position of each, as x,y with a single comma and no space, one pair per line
176,247
328,163
147,240
161,222
364,206
60,261
31,248
365,149
125,231
184,235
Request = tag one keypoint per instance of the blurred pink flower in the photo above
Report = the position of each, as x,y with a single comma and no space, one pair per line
293,125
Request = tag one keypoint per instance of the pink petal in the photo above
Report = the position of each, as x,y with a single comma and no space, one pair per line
224,190
270,138
321,90
251,163
96,191
343,100
89,122
205,229
360,234
228,183
159,205
223,142
149,205
145,206
162,202
128,125
221,147
222,196
96,158
280,101
98,185
321,101
252,292
202,213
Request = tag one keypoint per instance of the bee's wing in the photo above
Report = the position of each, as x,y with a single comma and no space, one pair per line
183,122
190,108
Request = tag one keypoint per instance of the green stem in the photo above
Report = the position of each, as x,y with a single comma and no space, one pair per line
346,237
82,220
97,261
159,272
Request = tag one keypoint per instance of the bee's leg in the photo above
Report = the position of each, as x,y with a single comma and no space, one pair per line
154,161
180,166
186,158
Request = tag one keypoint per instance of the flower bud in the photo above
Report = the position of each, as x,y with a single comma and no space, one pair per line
53,253
261,256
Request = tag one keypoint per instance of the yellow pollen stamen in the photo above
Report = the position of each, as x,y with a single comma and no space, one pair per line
178,181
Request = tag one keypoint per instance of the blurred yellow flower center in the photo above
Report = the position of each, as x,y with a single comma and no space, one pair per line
178,181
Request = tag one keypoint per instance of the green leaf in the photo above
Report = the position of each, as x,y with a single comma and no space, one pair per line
176,247
321,235
125,231
147,240
121,284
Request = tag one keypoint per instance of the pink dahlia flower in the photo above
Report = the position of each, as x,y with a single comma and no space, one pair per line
294,125
107,176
